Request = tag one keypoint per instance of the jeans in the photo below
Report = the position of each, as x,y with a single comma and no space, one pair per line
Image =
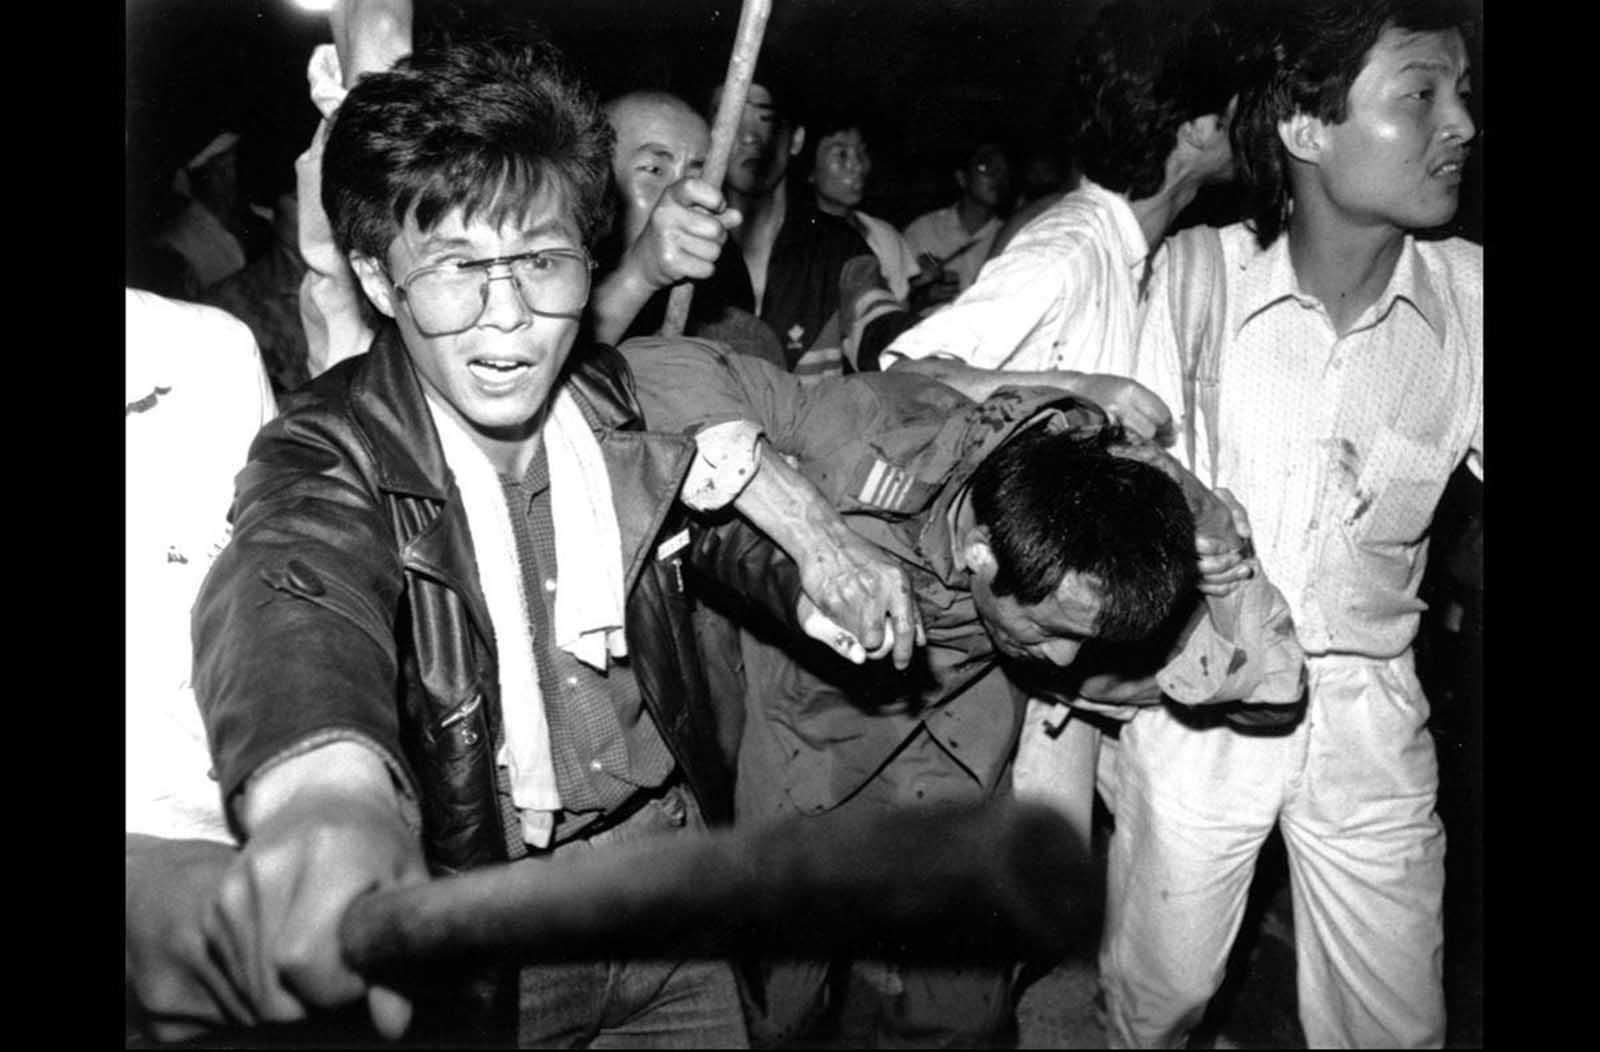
633,1003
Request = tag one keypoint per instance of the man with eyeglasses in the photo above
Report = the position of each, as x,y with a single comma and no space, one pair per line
951,243
450,627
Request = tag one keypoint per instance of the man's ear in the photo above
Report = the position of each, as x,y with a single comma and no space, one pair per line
977,553
1302,136
797,140
373,282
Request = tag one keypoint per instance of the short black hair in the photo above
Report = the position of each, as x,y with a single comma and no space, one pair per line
825,120
776,72
1064,501
484,126
1141,70
1320,47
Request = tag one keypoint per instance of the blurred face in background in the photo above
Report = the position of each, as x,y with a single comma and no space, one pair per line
839,175
215,184
762,146
987,178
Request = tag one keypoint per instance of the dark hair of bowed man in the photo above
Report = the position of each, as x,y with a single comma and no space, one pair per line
1320,49
1061,502
1142,69
487,127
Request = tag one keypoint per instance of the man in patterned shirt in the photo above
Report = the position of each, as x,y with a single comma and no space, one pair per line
1348,387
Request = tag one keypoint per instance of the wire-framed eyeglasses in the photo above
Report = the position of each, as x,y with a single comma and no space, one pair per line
447,298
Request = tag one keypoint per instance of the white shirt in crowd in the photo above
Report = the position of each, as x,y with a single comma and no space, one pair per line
1063,295
196,394
1341,450
940,233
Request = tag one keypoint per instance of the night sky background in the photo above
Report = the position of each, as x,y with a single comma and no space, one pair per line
929,77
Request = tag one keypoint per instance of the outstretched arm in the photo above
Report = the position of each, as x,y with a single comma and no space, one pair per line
854,597
219,937
322,828
294,674
851,582
1127,400
1002,331
369,36
692,387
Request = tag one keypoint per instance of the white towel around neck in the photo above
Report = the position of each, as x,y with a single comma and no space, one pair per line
588,616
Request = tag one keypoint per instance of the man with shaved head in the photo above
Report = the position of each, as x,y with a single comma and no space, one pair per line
672,228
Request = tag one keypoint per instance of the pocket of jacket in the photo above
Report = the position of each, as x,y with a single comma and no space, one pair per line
458,742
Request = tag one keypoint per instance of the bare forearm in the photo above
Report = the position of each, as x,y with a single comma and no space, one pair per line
617,299
339,768
854,584
1125,399
787,507
978,384
370,35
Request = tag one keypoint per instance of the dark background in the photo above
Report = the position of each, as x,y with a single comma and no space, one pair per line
931,77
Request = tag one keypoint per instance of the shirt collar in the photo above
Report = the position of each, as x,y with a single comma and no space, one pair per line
938,541
1130,236
1268,278
1412,283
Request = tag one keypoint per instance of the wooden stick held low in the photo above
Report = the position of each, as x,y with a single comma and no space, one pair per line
975,882
735,87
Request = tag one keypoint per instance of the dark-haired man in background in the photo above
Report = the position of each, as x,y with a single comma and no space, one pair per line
951,243
794,253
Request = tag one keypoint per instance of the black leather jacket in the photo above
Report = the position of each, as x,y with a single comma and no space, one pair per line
347,603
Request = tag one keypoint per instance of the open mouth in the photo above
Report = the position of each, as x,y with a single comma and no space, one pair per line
1450,169
498,370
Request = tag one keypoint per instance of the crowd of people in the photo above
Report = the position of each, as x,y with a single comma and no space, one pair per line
445,553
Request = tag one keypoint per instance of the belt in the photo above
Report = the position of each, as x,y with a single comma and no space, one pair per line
605,820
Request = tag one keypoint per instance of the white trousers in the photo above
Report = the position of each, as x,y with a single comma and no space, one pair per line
1353,788
1057,767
